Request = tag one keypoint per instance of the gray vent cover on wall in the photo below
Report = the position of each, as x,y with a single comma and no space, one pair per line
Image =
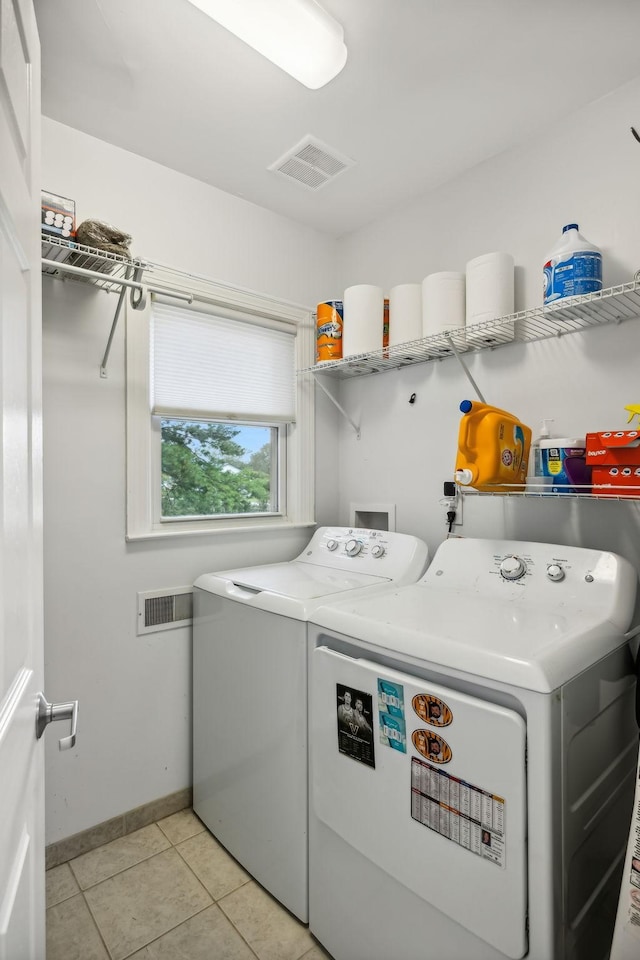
164,609
311,163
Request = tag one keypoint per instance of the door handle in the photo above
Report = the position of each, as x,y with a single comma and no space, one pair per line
48,712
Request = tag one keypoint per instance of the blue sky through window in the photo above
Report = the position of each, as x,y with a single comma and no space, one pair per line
252,439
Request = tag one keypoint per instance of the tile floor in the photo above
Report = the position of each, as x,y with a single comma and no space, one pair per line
167,892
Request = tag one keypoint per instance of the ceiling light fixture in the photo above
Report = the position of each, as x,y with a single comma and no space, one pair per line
297,35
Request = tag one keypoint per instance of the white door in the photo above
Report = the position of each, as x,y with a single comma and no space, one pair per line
21,754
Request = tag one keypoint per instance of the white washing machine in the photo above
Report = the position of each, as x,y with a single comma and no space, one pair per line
481,809
250,759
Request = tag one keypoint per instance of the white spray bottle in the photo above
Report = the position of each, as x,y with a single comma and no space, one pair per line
537,481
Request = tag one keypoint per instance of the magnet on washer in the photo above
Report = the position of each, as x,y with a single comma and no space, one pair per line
432,710
431,746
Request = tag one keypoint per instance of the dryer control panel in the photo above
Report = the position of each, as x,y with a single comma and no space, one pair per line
542,575
513,567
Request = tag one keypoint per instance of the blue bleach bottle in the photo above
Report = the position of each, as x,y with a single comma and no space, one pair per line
574,267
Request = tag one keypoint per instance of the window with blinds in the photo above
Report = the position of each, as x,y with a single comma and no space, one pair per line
224,391
221,368
220,429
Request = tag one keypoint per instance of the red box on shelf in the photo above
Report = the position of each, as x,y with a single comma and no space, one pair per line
614,456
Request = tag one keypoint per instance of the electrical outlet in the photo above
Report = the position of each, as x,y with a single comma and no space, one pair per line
453,500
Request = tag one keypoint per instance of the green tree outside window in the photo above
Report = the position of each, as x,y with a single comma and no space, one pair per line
206,472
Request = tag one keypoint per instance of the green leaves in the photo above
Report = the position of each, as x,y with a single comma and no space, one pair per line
205,472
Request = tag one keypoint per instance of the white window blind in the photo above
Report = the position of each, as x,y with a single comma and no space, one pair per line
205,366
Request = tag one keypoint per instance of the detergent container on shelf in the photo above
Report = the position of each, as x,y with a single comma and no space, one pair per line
563,464
493,448
573,267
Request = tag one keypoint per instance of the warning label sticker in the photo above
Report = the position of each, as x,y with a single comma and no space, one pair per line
463,813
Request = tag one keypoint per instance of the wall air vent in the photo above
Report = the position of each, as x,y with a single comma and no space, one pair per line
311,163
164,609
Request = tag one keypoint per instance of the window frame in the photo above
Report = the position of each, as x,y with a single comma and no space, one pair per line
143,444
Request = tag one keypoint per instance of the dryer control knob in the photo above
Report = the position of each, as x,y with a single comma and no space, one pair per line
377,551
512,568
352,548
332,545
555,572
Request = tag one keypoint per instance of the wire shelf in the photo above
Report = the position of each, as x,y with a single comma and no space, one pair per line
612,305
114,266
602,491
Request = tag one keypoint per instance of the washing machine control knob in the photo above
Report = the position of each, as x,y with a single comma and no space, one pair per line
332,545
555,572
352,548
377,550
512,568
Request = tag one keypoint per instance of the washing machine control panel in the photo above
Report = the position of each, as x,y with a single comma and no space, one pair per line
381,553
354,542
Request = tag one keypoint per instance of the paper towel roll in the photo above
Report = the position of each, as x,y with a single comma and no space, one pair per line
363,316
443,305
489,281
405,313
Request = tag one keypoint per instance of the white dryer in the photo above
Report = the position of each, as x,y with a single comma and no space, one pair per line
482,810
250,760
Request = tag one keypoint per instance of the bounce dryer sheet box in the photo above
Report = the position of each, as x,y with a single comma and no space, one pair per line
615,458
613,449
58,215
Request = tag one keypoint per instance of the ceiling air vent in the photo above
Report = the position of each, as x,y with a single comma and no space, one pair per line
311,163
164,609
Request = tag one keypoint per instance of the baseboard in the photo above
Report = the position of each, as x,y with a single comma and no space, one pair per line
63,850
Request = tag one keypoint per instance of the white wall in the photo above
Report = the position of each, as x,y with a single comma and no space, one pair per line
586,169
134,742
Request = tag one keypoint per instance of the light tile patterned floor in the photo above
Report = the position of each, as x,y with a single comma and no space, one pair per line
167,892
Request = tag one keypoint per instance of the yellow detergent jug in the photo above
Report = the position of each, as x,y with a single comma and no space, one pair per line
493,448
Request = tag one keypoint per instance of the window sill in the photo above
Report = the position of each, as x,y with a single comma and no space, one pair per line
170,532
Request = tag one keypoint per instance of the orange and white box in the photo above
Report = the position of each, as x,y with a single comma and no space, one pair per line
614,456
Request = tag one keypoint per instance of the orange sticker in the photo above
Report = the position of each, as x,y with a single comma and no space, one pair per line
432,710
431,746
